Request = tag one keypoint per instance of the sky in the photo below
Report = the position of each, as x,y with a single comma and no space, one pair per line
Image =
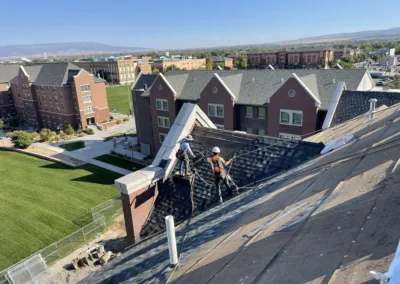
187,24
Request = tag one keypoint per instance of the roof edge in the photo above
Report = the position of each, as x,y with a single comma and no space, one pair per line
168,84
233,97
23,70
340,87
317,101
137,80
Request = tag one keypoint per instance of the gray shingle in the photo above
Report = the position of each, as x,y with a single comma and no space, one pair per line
311,82
145,79
8,72
56,74
257,86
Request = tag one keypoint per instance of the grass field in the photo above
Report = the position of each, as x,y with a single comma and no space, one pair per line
119,135
42,202
117,98
73,145
118,162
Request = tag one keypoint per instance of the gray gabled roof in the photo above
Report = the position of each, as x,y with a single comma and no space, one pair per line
219,58
144,79
32,71
57,74
255,87
8,72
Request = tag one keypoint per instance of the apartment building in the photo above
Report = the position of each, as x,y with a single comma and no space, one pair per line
224,62
7,107
186,64
305,57
116,70
346,52
281,103
58,94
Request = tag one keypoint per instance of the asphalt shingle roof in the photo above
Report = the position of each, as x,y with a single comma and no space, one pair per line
8,72
356,103
145,79
56,74
268,156
257,86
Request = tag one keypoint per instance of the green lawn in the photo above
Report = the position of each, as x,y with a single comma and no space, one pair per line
73,146
117,98
119,162
42,202
119,135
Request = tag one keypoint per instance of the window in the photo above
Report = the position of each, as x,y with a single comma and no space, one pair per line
60,95
261,132
49,99
214,90
308,58
215,110
85,88
291,117
163,121
57,109
249,111
160,87
43,98
55,99
89,109
54,89
219,126
162,137
62,106
291,93
87,99
162,105
289,136
261,113
249,130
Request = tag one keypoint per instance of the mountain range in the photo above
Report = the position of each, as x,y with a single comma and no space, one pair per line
62,49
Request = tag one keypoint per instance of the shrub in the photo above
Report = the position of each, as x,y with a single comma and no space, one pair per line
63,135
79,131
82,134
21,139
103,121
57,138
118,121
35,136
69,130
126,119
1,123
88,131
46,135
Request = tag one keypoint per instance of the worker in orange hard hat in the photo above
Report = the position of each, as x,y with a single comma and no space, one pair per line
217,165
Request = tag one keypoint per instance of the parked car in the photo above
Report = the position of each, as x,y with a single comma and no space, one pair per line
380,83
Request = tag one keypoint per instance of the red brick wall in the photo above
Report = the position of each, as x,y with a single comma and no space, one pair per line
221,97
301,102
137,207
165,94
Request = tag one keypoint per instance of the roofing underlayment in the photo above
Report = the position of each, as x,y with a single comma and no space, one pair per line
332,219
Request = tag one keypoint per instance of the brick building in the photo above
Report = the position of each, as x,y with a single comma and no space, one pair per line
226,62
116,70
276,103
187,64
57,94
346,52
7,107
305,57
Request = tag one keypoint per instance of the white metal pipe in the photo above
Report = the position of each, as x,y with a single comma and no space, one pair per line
173,252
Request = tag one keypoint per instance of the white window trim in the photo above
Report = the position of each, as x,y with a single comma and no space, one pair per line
162,104
163,124
216,111
91,99
289,136
291,112
162,134
84,110
85,85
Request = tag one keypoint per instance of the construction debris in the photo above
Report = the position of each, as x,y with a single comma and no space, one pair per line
93,256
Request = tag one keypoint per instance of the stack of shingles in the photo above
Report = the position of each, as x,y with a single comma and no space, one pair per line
260,158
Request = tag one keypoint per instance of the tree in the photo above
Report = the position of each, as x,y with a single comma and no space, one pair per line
69,130
156,71
172,67
241,62
46,134
1,123
21,139
209,64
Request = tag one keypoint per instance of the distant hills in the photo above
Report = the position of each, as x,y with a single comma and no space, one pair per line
62,49
363,35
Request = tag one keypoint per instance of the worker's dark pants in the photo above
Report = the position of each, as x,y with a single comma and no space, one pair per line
184,164
221,177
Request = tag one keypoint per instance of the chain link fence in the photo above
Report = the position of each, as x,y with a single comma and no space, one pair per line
102,217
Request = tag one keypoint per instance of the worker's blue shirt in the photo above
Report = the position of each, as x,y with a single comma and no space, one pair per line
186,147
